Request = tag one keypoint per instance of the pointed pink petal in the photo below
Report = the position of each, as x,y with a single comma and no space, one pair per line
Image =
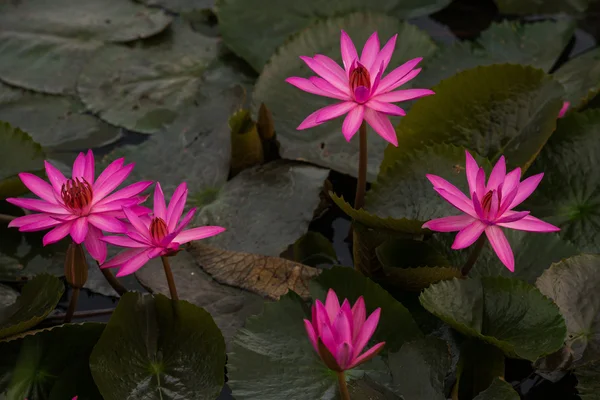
312,336
346,309
325,73
327,87
331,65
359,315
133,264
343,355
495,204
184,222
366,332
55,177
530,224
526,188
79,166
480,183
335,110
123,241
127,192
501,246
103,188
90,168
38,205
198,233
386,108
408,77
123,257
156,252
468,235
348,50
441,183
563,109
137,223
106,223
116,205
477,206
39,187
28,219
176,206
403,95
108,172
382,125
94,245
322,317
498,174
341,327
41,225
160,209
367,355
385,55
511,216
507,200
471,168
449,224
79,230
328,340
389,82
511,181
57,233
370,51
139,238
376,81
457,202
310,121
352,122
307,86
332,305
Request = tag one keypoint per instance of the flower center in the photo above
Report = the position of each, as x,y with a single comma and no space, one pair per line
158,229
360,76
486,202
76,194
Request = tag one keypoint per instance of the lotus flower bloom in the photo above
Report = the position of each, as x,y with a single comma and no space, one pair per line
340,333
489,208
564,109
81,206
158,234
364,93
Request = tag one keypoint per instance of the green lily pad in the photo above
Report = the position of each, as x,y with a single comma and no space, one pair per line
573,284
498,390
588,381
146,88
181,6
527,7
284,197
325,145
538,44
45,45
18,153
507,313
569,167
419,369
8,296
154,347
248,26
314,249
581,78
37,300
493,110
272,358
478,366
396,325
50,364
60,123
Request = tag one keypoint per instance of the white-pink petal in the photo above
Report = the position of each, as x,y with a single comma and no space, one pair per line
348,50
449,224
501,246
353,121
526,188
386,108
94,245
382,125
39,187
468,235
403,95
530,224
334,111
198,233
370,51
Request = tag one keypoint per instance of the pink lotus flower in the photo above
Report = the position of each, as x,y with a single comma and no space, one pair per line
489,208
339,334
81,206
365,94
564,109
156,235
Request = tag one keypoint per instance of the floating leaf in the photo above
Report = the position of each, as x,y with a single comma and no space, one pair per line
588,382
284,197
574,285
154,347
507,313
479,365
18,153
493,110
246,145
272,357
525,7
181,6
569,167
37,300
314,249
50,364
325,145
229,306
498,390
581,78
45,45
538,44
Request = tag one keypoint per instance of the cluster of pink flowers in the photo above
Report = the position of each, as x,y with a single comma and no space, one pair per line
86,207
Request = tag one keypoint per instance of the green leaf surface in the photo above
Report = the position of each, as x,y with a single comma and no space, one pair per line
574,285
155,348
50,364
396,325
272,358
181,6
37,300
478,366
419,369
498,390
527,7
492,110
538,44
284,198
8,296
588,382
581,78
314,249
246,145
325,145
569,165
507,313
18,153
255,29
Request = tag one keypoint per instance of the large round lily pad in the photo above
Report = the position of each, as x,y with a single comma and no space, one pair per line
325,145
581,78
507,313
254,29
493,110
156,348
569,165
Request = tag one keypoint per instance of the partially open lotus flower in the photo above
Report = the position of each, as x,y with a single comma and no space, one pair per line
340,333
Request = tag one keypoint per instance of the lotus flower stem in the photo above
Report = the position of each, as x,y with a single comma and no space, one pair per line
83,314
6,218
72,305
112,281
361,184
343,386
473,256
170,279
